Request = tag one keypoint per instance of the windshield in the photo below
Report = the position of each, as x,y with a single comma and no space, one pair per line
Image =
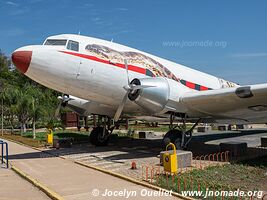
55,42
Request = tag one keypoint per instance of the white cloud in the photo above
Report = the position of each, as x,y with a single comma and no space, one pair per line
36,1
95,19
12,32
17,12
11,3
116,33
89,5
122,9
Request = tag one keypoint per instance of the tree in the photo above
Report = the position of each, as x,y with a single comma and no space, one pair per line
25,101
37,109
22,108
9,96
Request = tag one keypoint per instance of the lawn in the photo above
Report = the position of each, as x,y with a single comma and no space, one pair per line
24,140
228,177
27,138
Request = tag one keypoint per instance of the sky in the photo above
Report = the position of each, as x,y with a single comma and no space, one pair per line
226,38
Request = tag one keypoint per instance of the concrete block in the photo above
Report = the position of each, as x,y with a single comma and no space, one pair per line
62,142
203,129
264,141
235,148
241,126
222,128
184,158
146,134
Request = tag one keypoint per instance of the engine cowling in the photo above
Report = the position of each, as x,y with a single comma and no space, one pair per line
154,97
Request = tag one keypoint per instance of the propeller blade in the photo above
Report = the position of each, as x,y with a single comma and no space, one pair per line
127,72
62,99
121,106
129,88
58,109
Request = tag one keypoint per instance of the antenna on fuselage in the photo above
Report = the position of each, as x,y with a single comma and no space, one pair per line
79,33
111,40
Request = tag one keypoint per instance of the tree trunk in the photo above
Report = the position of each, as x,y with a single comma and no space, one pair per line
33,128
23,128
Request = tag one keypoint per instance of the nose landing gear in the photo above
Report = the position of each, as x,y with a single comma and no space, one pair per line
100,134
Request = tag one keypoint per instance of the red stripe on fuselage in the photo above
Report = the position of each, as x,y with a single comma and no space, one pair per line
130,67
203,88
191,85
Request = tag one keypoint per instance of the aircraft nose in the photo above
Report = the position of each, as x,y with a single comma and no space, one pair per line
22,60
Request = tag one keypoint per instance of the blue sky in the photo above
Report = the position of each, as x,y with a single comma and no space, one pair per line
224,38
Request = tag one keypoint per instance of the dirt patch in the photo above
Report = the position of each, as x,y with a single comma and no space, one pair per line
24,140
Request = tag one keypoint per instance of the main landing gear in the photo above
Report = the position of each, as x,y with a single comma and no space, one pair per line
100,134
178,134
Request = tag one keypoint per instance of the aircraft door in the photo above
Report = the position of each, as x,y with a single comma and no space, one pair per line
78,72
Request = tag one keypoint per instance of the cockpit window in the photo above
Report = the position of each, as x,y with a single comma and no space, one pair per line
72,45
55,42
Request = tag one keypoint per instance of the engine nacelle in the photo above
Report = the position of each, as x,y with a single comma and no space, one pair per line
154,97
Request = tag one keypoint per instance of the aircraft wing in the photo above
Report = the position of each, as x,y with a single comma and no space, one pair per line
246,104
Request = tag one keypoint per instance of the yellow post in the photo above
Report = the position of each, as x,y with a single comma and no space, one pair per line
170,160
50,136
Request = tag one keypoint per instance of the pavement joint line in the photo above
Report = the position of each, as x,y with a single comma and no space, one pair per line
126,178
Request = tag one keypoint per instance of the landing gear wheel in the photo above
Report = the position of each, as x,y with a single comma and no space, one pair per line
173,136
96,136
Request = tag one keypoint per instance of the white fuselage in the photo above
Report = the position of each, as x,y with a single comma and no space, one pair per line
96,72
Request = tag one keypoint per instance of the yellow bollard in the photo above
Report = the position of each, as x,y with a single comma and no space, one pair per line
50,136
170,160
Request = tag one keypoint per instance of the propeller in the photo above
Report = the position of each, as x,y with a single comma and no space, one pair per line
130,88
63,100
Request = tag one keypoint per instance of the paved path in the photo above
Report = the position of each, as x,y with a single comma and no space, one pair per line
13,187
73,181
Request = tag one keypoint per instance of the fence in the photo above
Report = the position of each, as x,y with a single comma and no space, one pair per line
2,143
183,182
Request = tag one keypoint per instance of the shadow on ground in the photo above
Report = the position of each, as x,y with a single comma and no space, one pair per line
128,148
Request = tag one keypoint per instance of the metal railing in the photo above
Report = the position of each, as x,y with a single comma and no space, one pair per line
3,143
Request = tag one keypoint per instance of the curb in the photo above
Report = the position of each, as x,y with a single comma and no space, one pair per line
150,186
50,193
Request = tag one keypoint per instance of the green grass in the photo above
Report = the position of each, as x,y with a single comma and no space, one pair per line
41,137
24,140
227,177
160,128
77,136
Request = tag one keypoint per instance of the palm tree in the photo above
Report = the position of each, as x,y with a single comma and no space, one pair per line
24,100
9,97
37,108
23,104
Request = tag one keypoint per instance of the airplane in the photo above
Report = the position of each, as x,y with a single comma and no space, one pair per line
115,81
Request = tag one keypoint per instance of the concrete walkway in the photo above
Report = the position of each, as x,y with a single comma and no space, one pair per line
75,182
13,187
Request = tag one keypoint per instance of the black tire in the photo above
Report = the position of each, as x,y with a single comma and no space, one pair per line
95,137
172,136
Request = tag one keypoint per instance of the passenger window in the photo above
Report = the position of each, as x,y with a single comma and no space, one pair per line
72,45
